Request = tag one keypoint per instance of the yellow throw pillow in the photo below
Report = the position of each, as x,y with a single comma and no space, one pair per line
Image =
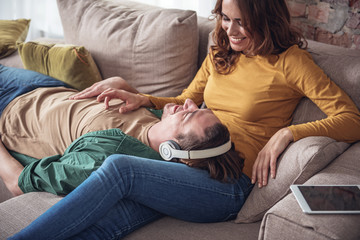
68,63
12,31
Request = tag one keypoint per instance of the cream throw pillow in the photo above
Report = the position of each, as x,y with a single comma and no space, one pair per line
154,49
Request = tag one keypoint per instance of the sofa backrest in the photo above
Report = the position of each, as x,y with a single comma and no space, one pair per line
342,66
159,50
155,49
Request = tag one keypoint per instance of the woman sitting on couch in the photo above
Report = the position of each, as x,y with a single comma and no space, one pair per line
252,80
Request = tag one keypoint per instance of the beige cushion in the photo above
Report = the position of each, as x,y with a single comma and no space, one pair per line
68,63
341,65
300,161
346,75
287,218
19,212
12,31
154,49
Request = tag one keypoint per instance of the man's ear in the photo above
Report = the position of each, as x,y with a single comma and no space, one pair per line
168,149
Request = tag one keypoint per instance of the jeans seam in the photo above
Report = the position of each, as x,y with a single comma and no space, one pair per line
80,221
134,226
189,184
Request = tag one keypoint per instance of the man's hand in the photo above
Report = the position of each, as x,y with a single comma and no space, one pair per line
97,88
132,101
268,156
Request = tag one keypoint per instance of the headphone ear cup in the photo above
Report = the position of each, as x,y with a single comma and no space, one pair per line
166,149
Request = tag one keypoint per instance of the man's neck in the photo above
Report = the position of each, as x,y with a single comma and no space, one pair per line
157,135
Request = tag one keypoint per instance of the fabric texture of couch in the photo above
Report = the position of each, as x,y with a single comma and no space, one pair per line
158,51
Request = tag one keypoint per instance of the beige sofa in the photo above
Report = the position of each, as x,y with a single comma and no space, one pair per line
159,51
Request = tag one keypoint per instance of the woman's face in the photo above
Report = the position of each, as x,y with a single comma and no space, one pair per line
231,23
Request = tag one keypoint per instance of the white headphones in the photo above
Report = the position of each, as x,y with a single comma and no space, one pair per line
170,149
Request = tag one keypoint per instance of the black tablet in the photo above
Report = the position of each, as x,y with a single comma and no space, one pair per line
328,199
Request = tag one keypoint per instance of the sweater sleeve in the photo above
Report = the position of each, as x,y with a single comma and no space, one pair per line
343,117
195,91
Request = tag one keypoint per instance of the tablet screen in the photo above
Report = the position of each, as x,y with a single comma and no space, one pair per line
332,198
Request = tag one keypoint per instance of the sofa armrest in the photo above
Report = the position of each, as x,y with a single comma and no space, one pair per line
20,211
300,161
286,216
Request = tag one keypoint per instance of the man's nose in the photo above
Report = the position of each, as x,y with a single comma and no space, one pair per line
189,105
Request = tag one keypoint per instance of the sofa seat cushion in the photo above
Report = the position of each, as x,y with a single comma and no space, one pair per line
287,217
18,212
169,228
299,162
154,49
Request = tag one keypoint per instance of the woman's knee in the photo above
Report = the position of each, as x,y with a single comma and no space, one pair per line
119,162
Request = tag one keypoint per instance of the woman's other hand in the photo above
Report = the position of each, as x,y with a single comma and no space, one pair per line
97,88
268,156
132,100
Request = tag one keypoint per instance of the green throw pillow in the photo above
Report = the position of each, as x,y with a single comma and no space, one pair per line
68,63
12,31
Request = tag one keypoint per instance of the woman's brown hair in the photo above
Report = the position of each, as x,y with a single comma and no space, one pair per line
267,23
225,167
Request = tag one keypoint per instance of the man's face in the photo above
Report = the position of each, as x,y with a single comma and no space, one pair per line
187,118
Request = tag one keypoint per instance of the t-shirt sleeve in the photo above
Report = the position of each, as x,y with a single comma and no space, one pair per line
57,174
60,174
343,117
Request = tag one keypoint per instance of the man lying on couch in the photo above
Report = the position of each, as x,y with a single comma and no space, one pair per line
61,141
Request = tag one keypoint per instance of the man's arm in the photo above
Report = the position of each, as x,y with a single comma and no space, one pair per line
10,170
58,174
62,174
132,101
97,88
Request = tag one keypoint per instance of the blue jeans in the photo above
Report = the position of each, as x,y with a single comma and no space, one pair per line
127,192
15,82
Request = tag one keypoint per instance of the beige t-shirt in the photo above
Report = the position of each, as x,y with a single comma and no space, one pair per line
45,122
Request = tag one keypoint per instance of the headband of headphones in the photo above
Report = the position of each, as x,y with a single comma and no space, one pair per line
170,149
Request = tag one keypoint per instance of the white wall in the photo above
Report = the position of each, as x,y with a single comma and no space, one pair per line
45,19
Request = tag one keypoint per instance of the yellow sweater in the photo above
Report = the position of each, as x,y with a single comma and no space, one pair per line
259,97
